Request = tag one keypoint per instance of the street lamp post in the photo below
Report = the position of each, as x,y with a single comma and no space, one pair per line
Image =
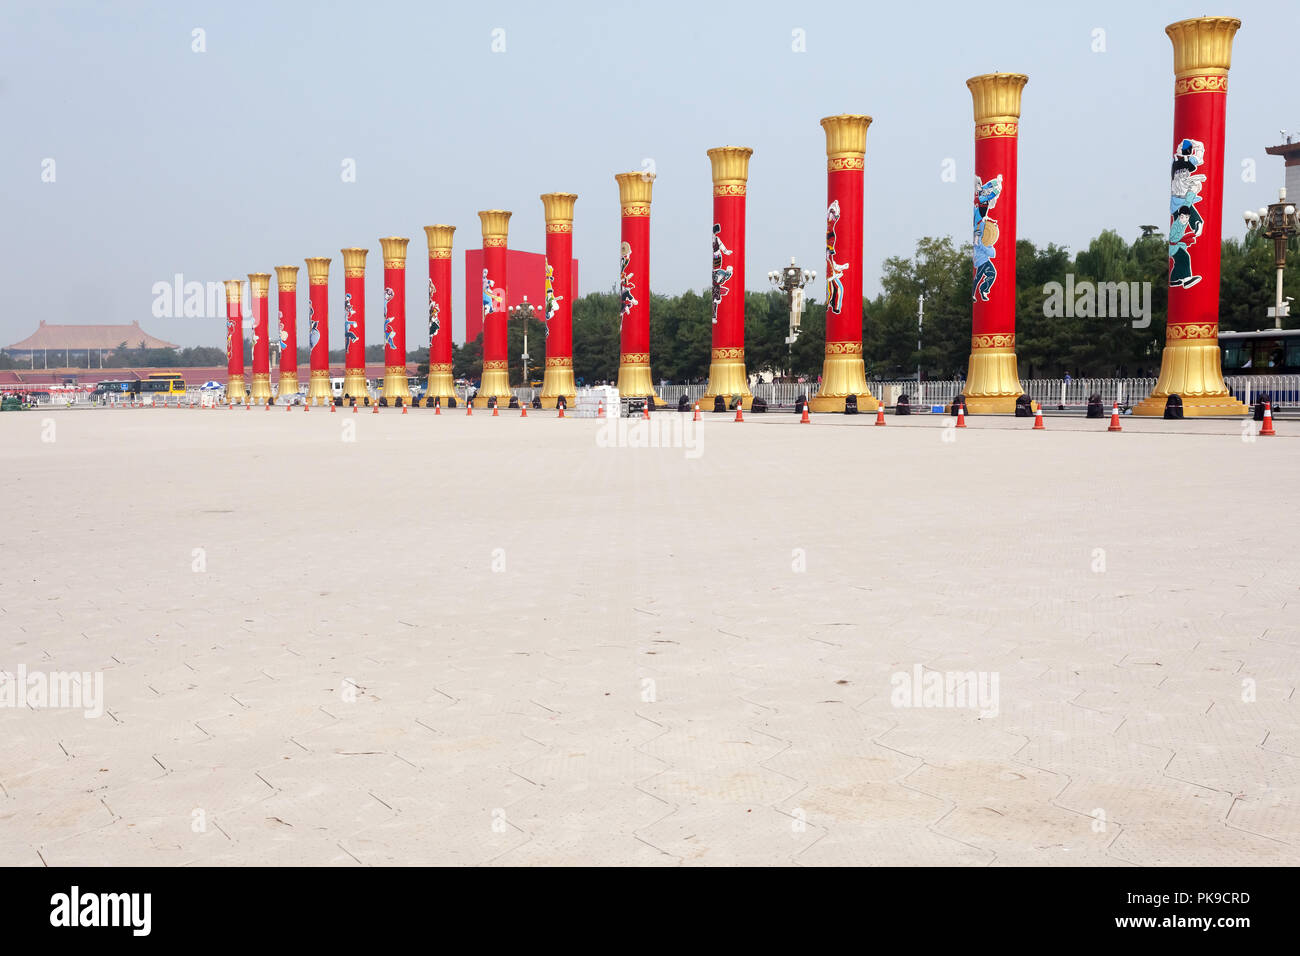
791,280
524,311
1276,221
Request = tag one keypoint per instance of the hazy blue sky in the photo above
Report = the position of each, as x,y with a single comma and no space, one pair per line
226,162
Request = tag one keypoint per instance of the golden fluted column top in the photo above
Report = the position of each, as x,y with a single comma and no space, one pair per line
730,165
439,239
558,208
1203,45
318,270
394,248
496,226
846,135
259,284
996,96
354,262
234,290
635,189
286,278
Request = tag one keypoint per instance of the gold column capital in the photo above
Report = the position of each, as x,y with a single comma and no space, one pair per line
496,226
558,209
234,290
635,189
318,270
996,96
354,262
394,248
846,135
286,278
259,284
1203,45
439,240
730,167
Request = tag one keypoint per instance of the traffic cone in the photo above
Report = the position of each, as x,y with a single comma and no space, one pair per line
961,415
288,408
803,419
697,412
645,410
1038,419
523,410
880,414
376,409
1267,428
495,413
1114,419
354,409
469,407
332,408
268,406
437,409
600,409
739,417
560,408
403,408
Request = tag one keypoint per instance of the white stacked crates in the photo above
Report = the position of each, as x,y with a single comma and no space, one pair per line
591,399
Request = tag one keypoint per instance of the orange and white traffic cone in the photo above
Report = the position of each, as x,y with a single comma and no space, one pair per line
437,409
288,408
1038,419
804,419
645,410
523,410
880,414
469,407
600,409
1114,419
697,412
560,409
961,415
376,409
739,416
1267,428
354,409
404,408
495,413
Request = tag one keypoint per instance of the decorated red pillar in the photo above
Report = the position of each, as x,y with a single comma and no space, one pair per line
354,326
495,381
235,391
259,289
634,193
727,375
442,384
1191,365
843,371
395,383
557,380
319,391
992,378
286,285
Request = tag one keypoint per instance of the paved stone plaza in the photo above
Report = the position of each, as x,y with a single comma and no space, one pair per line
459,640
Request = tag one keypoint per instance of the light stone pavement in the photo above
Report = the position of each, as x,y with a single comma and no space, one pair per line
472,640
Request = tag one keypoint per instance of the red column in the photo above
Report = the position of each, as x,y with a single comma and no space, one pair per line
992,378
634,192
286,284
235,391
557,380
319,391
395,383
354,326
727,376
1191,364
495,381
843,371
259,287
442,384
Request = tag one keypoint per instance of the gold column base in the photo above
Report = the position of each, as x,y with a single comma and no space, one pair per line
843,374
727,378
992,377
319,391
261,393
1194,371
495,384
236,394
634,377
288,386
442,384
354,386
557,380
396,385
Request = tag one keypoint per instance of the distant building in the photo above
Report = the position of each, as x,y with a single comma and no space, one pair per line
92,340
525,276
1290,153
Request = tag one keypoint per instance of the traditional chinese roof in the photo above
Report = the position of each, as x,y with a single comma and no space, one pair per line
77,337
